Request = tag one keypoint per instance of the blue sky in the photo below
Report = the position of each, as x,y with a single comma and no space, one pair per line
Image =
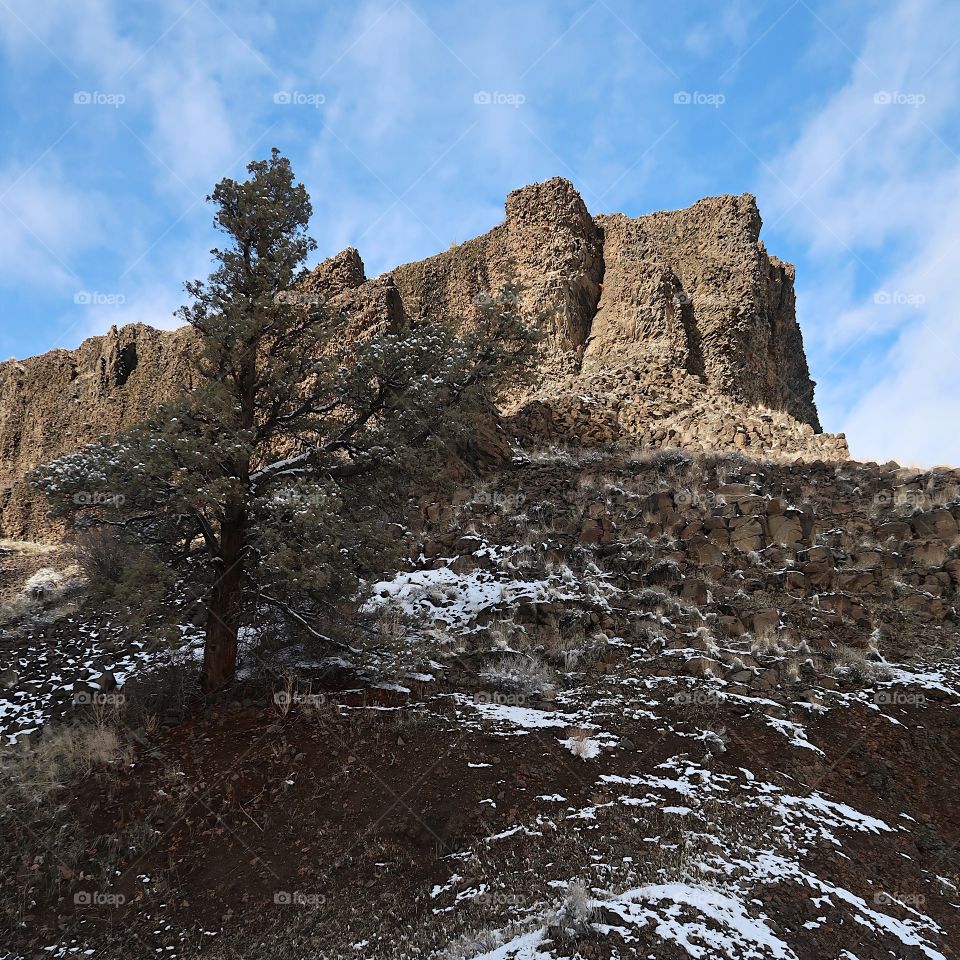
117,118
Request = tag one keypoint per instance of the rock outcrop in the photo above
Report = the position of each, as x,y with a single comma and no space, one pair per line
695,290
63,399
550,243
671,329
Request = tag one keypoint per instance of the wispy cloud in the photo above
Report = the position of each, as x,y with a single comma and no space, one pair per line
44,226
871,181
410,120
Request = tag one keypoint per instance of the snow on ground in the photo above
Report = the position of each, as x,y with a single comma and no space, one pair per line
522,718
456,599
794,732
831,813
680,913
52,676
708,911
712,908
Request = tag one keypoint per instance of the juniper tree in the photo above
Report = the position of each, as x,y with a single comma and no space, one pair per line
252,483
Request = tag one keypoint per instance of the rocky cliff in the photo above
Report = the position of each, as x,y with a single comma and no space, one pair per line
671,329
66,398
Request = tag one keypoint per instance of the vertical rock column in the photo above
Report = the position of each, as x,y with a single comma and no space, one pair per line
558,252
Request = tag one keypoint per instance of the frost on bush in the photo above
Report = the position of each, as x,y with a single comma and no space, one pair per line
577,906
582,745
527,675
46,587
858,665
573,919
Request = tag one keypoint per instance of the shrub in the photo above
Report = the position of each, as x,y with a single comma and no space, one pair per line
527,675
582,745
166,690
103,557
45,588
574,918
857,665
42,840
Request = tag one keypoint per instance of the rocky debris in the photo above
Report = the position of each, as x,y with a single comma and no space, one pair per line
674,329
663,407
689,665
774,577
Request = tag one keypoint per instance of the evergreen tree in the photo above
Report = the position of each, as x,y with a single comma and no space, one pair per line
254,482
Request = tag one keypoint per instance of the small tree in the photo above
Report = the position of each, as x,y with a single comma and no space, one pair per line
255,484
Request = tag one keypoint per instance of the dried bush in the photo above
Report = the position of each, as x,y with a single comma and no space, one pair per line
103,557
527,675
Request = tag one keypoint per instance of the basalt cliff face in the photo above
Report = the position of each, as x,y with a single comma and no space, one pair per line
63,399
674,329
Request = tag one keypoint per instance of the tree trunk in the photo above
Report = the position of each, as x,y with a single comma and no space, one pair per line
223,608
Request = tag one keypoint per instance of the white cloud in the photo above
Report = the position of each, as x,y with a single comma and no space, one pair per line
192,136
44,223
731,29
175,133
871,182
154,306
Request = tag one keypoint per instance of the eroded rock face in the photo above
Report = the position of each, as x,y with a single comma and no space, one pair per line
695,290
671,329
549,242
370,306
63,399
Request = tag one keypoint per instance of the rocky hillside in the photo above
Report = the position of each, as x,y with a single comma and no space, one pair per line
674,329
614,704
673,678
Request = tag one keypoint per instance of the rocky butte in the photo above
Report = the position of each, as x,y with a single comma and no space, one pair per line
606,699
674,329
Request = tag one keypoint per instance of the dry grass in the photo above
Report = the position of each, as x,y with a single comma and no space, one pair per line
527,675
859,665
42,842
46,588
63,757
28,547
767,641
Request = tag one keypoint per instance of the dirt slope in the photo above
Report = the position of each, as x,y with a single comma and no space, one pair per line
632,704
